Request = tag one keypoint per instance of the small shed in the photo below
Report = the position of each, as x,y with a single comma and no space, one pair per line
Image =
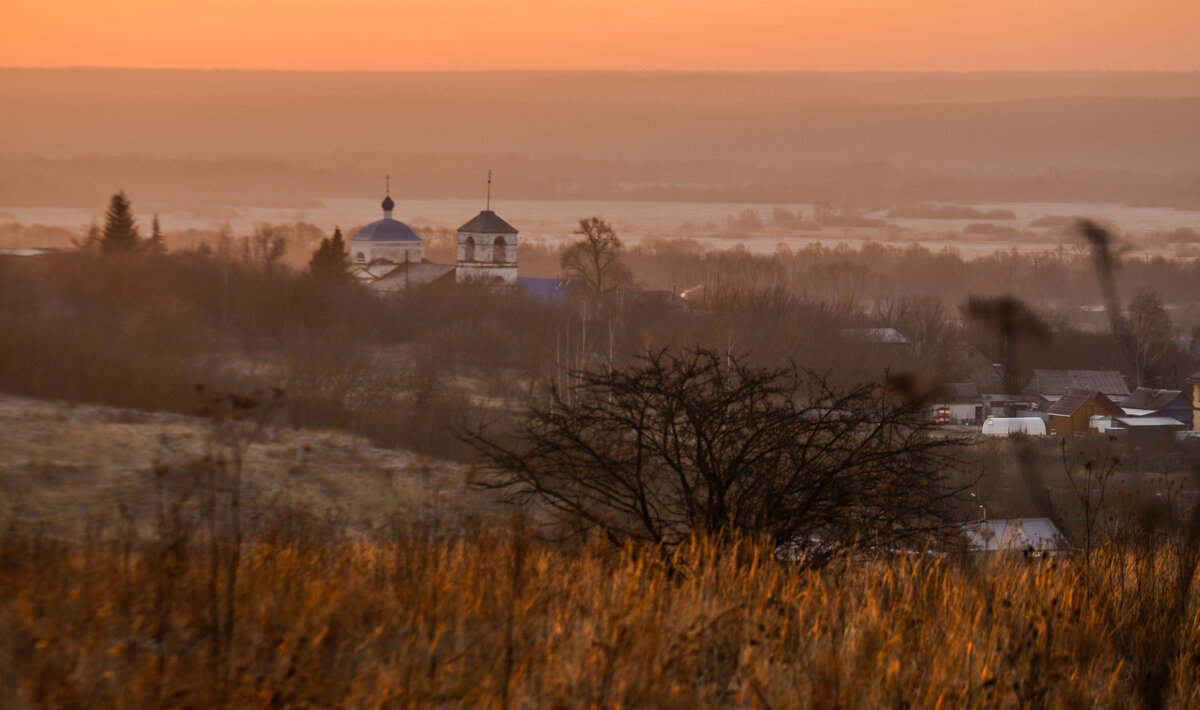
1072,415
1148,431
1007,426
1150,402
957,403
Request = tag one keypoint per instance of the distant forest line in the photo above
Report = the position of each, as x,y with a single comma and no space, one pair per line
300,182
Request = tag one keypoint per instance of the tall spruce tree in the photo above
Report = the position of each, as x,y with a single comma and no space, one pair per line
120,228
329,261
156,244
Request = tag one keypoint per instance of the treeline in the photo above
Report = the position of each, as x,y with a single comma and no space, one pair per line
141,329
1064,276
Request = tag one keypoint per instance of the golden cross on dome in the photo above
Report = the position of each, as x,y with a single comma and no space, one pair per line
489,197
387,185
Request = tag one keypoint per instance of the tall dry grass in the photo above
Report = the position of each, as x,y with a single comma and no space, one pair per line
497,619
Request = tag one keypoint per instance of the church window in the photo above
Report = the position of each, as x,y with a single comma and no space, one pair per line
469,249
362,256
498,250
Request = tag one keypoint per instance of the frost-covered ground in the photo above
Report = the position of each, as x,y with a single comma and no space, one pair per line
67,466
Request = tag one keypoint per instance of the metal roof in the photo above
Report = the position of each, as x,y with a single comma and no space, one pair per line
488,222
1155,400
1017,534
387,230
1150,422
1057,382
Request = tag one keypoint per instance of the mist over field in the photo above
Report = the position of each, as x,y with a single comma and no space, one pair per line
176,138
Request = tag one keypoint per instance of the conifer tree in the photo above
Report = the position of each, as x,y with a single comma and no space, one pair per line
329,262
120,228
156,244
91,238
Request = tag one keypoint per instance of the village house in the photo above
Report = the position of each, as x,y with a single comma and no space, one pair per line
958,403
1194,382
1150,402
1072,414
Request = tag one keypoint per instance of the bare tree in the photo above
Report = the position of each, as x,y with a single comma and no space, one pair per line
1149,334
680,442
595,261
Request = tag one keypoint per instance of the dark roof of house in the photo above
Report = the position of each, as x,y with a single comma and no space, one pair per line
387,230
1193,379
1155,400
488,222
1071,403
1055,383
961,391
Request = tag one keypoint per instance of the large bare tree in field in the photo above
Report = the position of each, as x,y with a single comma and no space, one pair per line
696,441
595,260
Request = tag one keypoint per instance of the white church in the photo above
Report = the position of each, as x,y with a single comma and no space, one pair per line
387,255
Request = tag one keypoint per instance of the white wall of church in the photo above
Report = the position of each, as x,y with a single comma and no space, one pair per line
399,252
485,273
484,250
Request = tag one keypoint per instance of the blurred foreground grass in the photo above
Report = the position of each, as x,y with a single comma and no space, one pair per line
497,619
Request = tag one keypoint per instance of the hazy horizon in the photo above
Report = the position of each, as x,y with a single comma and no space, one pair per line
288,138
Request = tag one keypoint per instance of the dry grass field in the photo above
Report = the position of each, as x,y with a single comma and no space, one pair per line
345,576
497,620
65,467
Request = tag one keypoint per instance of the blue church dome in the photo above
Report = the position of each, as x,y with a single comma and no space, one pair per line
387,230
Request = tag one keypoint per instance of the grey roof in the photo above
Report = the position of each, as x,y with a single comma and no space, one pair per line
1071,403
1155,400
488,222
962,391
387,230
1055,383
1150,422
1034,534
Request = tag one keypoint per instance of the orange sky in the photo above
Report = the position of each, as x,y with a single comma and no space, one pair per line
953,35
